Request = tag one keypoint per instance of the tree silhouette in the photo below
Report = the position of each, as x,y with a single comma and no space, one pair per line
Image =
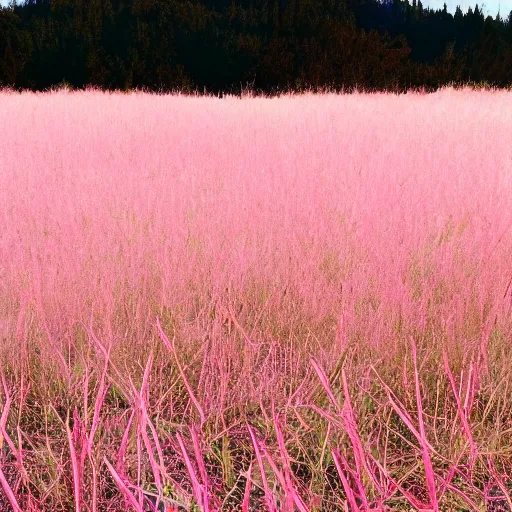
272,45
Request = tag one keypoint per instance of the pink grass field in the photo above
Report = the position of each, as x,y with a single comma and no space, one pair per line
290,304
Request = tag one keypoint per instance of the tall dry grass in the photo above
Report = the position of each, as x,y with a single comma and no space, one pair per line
299,303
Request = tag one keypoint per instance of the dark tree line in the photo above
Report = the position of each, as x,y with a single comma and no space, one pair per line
263,45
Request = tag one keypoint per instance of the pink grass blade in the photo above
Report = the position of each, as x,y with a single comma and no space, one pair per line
9,492
202,468
124,444
4,436
347,416
196,486
429,471
247,490
400,409
344,481
77,477
240,328
325,383
461,412
191,393
268,494
291,490
357,445
499,483
141,398
287,506
415,502
123,487
94,500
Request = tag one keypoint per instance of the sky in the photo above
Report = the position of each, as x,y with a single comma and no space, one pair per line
490,6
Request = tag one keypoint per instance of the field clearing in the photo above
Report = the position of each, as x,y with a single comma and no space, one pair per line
298,303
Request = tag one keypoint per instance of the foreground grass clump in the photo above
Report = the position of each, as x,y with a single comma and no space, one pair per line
284,304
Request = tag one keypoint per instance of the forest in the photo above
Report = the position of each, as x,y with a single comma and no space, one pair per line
264,46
